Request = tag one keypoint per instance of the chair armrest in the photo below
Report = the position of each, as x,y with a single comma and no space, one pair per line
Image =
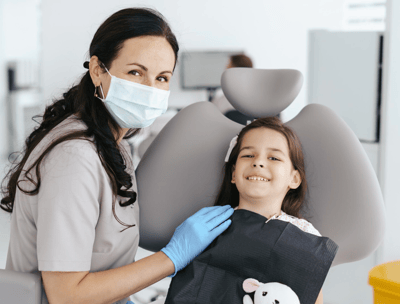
20,287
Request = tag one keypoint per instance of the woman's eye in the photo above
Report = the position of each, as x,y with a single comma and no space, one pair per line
163,79
134,72
247,155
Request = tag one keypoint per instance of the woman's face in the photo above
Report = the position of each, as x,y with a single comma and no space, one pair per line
263,171
148,60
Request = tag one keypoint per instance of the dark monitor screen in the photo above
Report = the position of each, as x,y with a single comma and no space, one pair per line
202,70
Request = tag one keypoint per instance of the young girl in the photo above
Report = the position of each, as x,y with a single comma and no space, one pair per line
268,239
265,173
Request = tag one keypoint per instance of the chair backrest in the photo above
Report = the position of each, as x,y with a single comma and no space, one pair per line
181,171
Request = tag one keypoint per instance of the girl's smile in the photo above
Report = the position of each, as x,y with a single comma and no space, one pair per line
257,178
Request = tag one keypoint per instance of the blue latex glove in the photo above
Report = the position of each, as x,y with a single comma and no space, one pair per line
196,233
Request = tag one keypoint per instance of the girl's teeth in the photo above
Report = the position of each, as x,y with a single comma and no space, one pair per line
257,178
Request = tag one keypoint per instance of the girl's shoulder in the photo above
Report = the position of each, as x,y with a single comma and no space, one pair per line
303,224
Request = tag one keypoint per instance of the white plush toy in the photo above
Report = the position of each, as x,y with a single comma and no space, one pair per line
269,293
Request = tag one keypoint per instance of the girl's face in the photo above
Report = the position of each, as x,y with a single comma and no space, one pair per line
263,172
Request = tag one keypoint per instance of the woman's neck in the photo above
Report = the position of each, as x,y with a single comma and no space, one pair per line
122,133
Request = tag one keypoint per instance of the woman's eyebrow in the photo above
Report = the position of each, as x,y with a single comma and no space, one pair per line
144,68
139,65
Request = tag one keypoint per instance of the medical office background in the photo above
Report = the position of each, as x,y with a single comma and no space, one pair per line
45,42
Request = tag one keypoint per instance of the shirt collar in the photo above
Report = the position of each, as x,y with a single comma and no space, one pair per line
272,217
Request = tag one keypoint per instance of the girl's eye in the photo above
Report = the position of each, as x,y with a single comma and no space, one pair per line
134,72
274,158
247,155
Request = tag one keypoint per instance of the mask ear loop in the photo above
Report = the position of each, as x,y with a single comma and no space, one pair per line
101,88
102,93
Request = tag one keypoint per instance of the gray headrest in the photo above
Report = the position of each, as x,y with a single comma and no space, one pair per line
261,93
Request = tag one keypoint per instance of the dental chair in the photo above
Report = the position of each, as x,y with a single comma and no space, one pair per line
182,169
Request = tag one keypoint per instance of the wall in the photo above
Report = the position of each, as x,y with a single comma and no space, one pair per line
273,33
19,41
3,89
390,134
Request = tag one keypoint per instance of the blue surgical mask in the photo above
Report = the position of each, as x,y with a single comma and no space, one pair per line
134,105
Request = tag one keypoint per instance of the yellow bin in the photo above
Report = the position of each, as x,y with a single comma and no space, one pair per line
385,279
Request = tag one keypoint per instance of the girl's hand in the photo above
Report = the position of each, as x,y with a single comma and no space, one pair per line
196,233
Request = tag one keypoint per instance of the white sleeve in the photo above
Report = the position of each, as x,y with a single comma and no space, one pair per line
302,224
308,227
68,207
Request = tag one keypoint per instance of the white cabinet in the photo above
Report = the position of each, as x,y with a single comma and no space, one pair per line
345,75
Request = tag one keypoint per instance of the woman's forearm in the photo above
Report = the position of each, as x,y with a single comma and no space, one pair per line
109,286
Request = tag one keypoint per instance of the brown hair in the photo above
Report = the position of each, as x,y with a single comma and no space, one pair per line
294,199
241,61
79,100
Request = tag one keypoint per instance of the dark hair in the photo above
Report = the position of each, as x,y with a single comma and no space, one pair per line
294,199
80,100
241,60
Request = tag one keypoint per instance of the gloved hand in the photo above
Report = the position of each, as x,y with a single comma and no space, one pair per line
196,233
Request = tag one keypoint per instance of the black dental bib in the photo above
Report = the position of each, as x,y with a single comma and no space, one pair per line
275,251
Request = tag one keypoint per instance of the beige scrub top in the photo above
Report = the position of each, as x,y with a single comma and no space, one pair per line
69,225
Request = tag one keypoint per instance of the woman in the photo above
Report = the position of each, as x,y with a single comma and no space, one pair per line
74,188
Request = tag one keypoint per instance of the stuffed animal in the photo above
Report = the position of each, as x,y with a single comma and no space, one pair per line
269,293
